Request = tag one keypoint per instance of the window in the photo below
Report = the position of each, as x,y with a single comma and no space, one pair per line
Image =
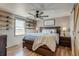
19,27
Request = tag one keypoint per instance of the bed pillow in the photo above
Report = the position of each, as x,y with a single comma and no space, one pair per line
49,31
53,31
45,31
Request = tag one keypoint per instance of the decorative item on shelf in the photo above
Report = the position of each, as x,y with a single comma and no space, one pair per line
37,30
29,25
64,31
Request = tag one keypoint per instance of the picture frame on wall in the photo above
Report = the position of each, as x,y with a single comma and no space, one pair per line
50,22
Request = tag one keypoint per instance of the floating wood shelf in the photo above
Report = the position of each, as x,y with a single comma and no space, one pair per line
4,22
31,21
4,28
3,25
31,24
5,16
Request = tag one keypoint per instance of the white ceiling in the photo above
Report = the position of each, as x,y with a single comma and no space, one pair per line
51,9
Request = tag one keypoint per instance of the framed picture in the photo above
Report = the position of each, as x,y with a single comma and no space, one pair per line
49,22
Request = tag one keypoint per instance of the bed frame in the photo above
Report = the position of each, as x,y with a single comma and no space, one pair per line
43,50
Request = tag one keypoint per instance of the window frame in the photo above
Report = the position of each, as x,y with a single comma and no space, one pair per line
15,27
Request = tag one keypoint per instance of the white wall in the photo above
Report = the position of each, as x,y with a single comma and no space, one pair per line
63,21
11,39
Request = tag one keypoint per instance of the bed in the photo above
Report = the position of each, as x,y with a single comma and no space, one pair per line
30,39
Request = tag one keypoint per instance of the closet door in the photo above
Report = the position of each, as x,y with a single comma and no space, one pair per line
3,45
77,37
76,29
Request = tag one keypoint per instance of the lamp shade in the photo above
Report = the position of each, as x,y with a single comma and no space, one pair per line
64,28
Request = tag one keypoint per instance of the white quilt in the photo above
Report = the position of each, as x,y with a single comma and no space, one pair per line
49,40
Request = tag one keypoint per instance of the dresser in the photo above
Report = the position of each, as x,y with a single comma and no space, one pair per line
3,43
65,41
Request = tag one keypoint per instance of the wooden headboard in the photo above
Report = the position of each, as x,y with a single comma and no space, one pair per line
56,27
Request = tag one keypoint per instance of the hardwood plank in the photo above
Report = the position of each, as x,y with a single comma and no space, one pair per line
19,51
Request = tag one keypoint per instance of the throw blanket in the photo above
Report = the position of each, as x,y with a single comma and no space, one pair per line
49,40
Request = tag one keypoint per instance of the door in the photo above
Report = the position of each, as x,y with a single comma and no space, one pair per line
77,37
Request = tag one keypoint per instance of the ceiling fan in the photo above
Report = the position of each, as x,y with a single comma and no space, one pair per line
38,14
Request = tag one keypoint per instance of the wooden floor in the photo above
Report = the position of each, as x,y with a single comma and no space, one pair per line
19,51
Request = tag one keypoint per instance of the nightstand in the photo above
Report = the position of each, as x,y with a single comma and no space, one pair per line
65,41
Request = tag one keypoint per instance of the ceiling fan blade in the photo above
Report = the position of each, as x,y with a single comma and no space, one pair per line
31,14
40,17
44,16
30,19
41,13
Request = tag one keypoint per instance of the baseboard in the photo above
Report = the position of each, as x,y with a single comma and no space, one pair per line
15,43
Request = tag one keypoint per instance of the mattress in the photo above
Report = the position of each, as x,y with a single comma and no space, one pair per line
33,36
